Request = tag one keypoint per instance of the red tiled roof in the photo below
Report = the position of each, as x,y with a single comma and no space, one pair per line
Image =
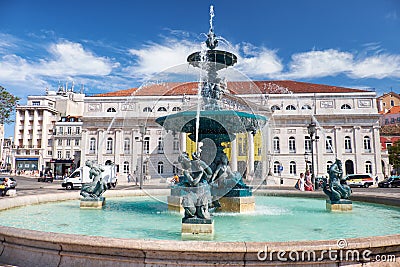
256,87
394,110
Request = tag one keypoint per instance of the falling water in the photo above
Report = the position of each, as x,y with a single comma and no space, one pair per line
211,16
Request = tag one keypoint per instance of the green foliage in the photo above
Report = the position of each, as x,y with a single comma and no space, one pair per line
394,155
8,102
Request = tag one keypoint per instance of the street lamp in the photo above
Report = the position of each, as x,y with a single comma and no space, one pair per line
306,159
142,130
311,131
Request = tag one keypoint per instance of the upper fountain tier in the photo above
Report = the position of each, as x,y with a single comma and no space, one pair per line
214,59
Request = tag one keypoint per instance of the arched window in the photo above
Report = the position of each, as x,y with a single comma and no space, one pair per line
176,109
290,107
146,145
307,144
277,146
147,109
109,146
160,167
292,168
347,144
161,109
328,144
368,167
328,166
111,110
306,107
292,145
345,106
276,167
367,144
92,145
275,107
126,167
127,146
160,145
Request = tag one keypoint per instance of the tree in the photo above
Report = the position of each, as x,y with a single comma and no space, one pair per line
394,156
8,102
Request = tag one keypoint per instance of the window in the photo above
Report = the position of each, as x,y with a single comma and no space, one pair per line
398,119
49,142
146,145
307,144
68,141
59,154
367,144
392,120
77,142
147,109
277,147
68,154
368,167
127,146
111,110
345,106
242,143
49,153
59,142
175,168
329,145
290,107
386,121
306,107
388,145
292,145
78,130
347,144
176,109
392,103
160,145
292,168
176,144
275,107
126,167
92,145
160,167
60,130
276,167
162,109
35,103
109,146
328,166
69,130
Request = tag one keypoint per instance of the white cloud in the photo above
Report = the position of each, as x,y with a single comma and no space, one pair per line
378,66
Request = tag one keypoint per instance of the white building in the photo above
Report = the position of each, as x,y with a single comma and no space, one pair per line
347,127
34,134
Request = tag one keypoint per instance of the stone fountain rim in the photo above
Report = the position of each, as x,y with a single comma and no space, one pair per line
216,246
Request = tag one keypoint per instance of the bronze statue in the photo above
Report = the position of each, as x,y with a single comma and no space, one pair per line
337,188
98,186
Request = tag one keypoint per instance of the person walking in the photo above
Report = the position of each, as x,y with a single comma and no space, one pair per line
300,182
129,177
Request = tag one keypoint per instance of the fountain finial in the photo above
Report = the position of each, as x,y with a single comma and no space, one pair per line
211,41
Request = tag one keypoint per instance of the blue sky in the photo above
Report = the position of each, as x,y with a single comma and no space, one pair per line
115,45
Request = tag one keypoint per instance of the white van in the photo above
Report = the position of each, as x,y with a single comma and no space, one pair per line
359,180
81,176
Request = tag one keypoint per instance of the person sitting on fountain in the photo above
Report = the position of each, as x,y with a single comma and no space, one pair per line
194,171
336,190
98,186
199,166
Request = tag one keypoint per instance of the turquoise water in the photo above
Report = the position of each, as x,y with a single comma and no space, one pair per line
275,219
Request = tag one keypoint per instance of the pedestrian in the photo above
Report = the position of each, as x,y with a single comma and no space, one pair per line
376,179
129,177
300,183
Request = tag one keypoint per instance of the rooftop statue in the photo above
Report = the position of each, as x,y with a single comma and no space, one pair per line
98,186
337,188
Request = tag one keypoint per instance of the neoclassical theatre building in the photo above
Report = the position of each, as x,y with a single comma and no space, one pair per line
120,127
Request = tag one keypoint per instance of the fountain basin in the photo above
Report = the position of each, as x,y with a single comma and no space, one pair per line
27,248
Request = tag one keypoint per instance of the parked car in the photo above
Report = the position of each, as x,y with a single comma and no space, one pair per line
392,181
13,181
359,180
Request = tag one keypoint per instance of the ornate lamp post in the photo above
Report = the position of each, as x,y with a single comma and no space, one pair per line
142,130
306,159
311,131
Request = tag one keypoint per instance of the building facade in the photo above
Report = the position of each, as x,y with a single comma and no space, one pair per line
347,126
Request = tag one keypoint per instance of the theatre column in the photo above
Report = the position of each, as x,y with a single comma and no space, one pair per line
233,162
250,163
183,142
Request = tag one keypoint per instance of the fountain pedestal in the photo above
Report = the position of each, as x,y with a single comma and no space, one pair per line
92,203
340,205
195,226
174,203
237,204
